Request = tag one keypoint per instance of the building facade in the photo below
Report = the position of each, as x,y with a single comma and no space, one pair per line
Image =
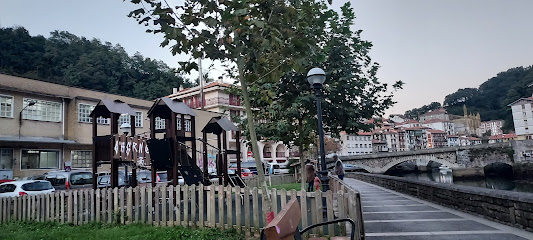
494,126
522,111
439,124
45,125
437,114
216,98
356,144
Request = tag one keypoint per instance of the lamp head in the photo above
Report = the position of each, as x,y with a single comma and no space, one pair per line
125,128
316,76
31,103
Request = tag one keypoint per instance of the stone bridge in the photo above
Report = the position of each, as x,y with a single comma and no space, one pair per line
476,156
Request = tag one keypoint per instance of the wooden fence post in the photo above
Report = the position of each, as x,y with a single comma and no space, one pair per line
256,210
164,205
238,205
172,204
221,206
129,207
201,207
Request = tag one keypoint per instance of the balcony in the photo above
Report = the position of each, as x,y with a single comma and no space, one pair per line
223,101
267,155
280,154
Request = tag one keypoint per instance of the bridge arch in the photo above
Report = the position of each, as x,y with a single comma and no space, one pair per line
427,158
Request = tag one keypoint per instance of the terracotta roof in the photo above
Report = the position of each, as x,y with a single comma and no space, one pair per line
436,120
436,131
410,121
452,136
416,128
364,133
473,138
503,136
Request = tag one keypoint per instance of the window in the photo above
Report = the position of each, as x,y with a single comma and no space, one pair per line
42,111
6,158
39,159
124,118
139,119
187,125
7,188
6,106
37,186
84,110
81,159
81,178
159,123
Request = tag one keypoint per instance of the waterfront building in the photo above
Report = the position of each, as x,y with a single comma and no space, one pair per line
522,111
440,124
436,138
502,138
356,144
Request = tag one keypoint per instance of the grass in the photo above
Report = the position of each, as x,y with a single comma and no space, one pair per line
287,186
50,230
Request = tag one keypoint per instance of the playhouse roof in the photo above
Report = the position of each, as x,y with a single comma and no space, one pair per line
105,107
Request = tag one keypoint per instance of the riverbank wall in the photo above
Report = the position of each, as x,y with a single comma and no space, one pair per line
511,208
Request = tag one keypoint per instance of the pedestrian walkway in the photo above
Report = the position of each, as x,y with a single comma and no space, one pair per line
390,215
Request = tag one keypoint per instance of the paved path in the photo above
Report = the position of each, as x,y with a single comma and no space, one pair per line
390,215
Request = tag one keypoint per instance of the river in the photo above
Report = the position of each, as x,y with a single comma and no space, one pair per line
492,182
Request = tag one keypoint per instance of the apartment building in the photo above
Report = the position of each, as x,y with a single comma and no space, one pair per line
216,98
436,138
416,138
44,125
439,114
453,141
522,111
442,125
494,126
356,144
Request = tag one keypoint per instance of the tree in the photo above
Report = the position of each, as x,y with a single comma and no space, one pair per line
352,92
416,112
259,40
67,59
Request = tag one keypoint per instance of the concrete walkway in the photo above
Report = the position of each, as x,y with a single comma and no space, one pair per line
390,215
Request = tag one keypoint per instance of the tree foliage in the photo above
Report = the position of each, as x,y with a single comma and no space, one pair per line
65,58
416,112
257,40
352,93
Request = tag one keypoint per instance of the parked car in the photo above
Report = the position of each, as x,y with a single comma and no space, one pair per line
104,181
161,178
245,172
249,165
274,168
62,180
25,187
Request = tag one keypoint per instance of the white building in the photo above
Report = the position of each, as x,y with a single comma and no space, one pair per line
466,141
494,126
453,141
440,124
523,117
439,114
356,144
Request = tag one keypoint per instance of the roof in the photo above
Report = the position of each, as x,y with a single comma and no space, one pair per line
436,120
518,100
364,134
416,128
472,138
503,136
434,112
162,105
197,88
410,121
436,131
218,124
105,107
452,136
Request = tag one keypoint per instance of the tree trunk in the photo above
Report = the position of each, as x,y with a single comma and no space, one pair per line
301,151
267,205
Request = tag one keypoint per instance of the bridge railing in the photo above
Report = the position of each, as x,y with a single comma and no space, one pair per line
348,204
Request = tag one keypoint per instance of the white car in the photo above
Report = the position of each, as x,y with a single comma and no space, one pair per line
25,187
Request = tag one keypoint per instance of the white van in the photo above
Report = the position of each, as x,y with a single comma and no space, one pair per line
275,168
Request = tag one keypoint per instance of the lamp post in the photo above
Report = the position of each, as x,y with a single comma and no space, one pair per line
30,103
126,128
316,78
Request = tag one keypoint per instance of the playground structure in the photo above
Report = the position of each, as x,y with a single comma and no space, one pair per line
175,152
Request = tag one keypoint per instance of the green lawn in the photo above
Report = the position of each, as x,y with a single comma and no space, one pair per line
288,186
49,230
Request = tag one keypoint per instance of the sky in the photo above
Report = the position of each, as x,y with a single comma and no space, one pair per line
434,47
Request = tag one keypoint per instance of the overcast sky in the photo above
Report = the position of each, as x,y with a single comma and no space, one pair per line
435,47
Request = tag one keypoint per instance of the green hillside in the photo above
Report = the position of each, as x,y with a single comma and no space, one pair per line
77,61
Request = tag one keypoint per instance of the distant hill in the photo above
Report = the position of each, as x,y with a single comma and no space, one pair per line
67,59
490,100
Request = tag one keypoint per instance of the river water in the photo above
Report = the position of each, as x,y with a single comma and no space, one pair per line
492,182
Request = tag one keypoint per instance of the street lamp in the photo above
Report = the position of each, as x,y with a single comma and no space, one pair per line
30,103
125,128
316,78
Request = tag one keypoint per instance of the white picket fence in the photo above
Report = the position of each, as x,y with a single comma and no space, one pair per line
196,206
